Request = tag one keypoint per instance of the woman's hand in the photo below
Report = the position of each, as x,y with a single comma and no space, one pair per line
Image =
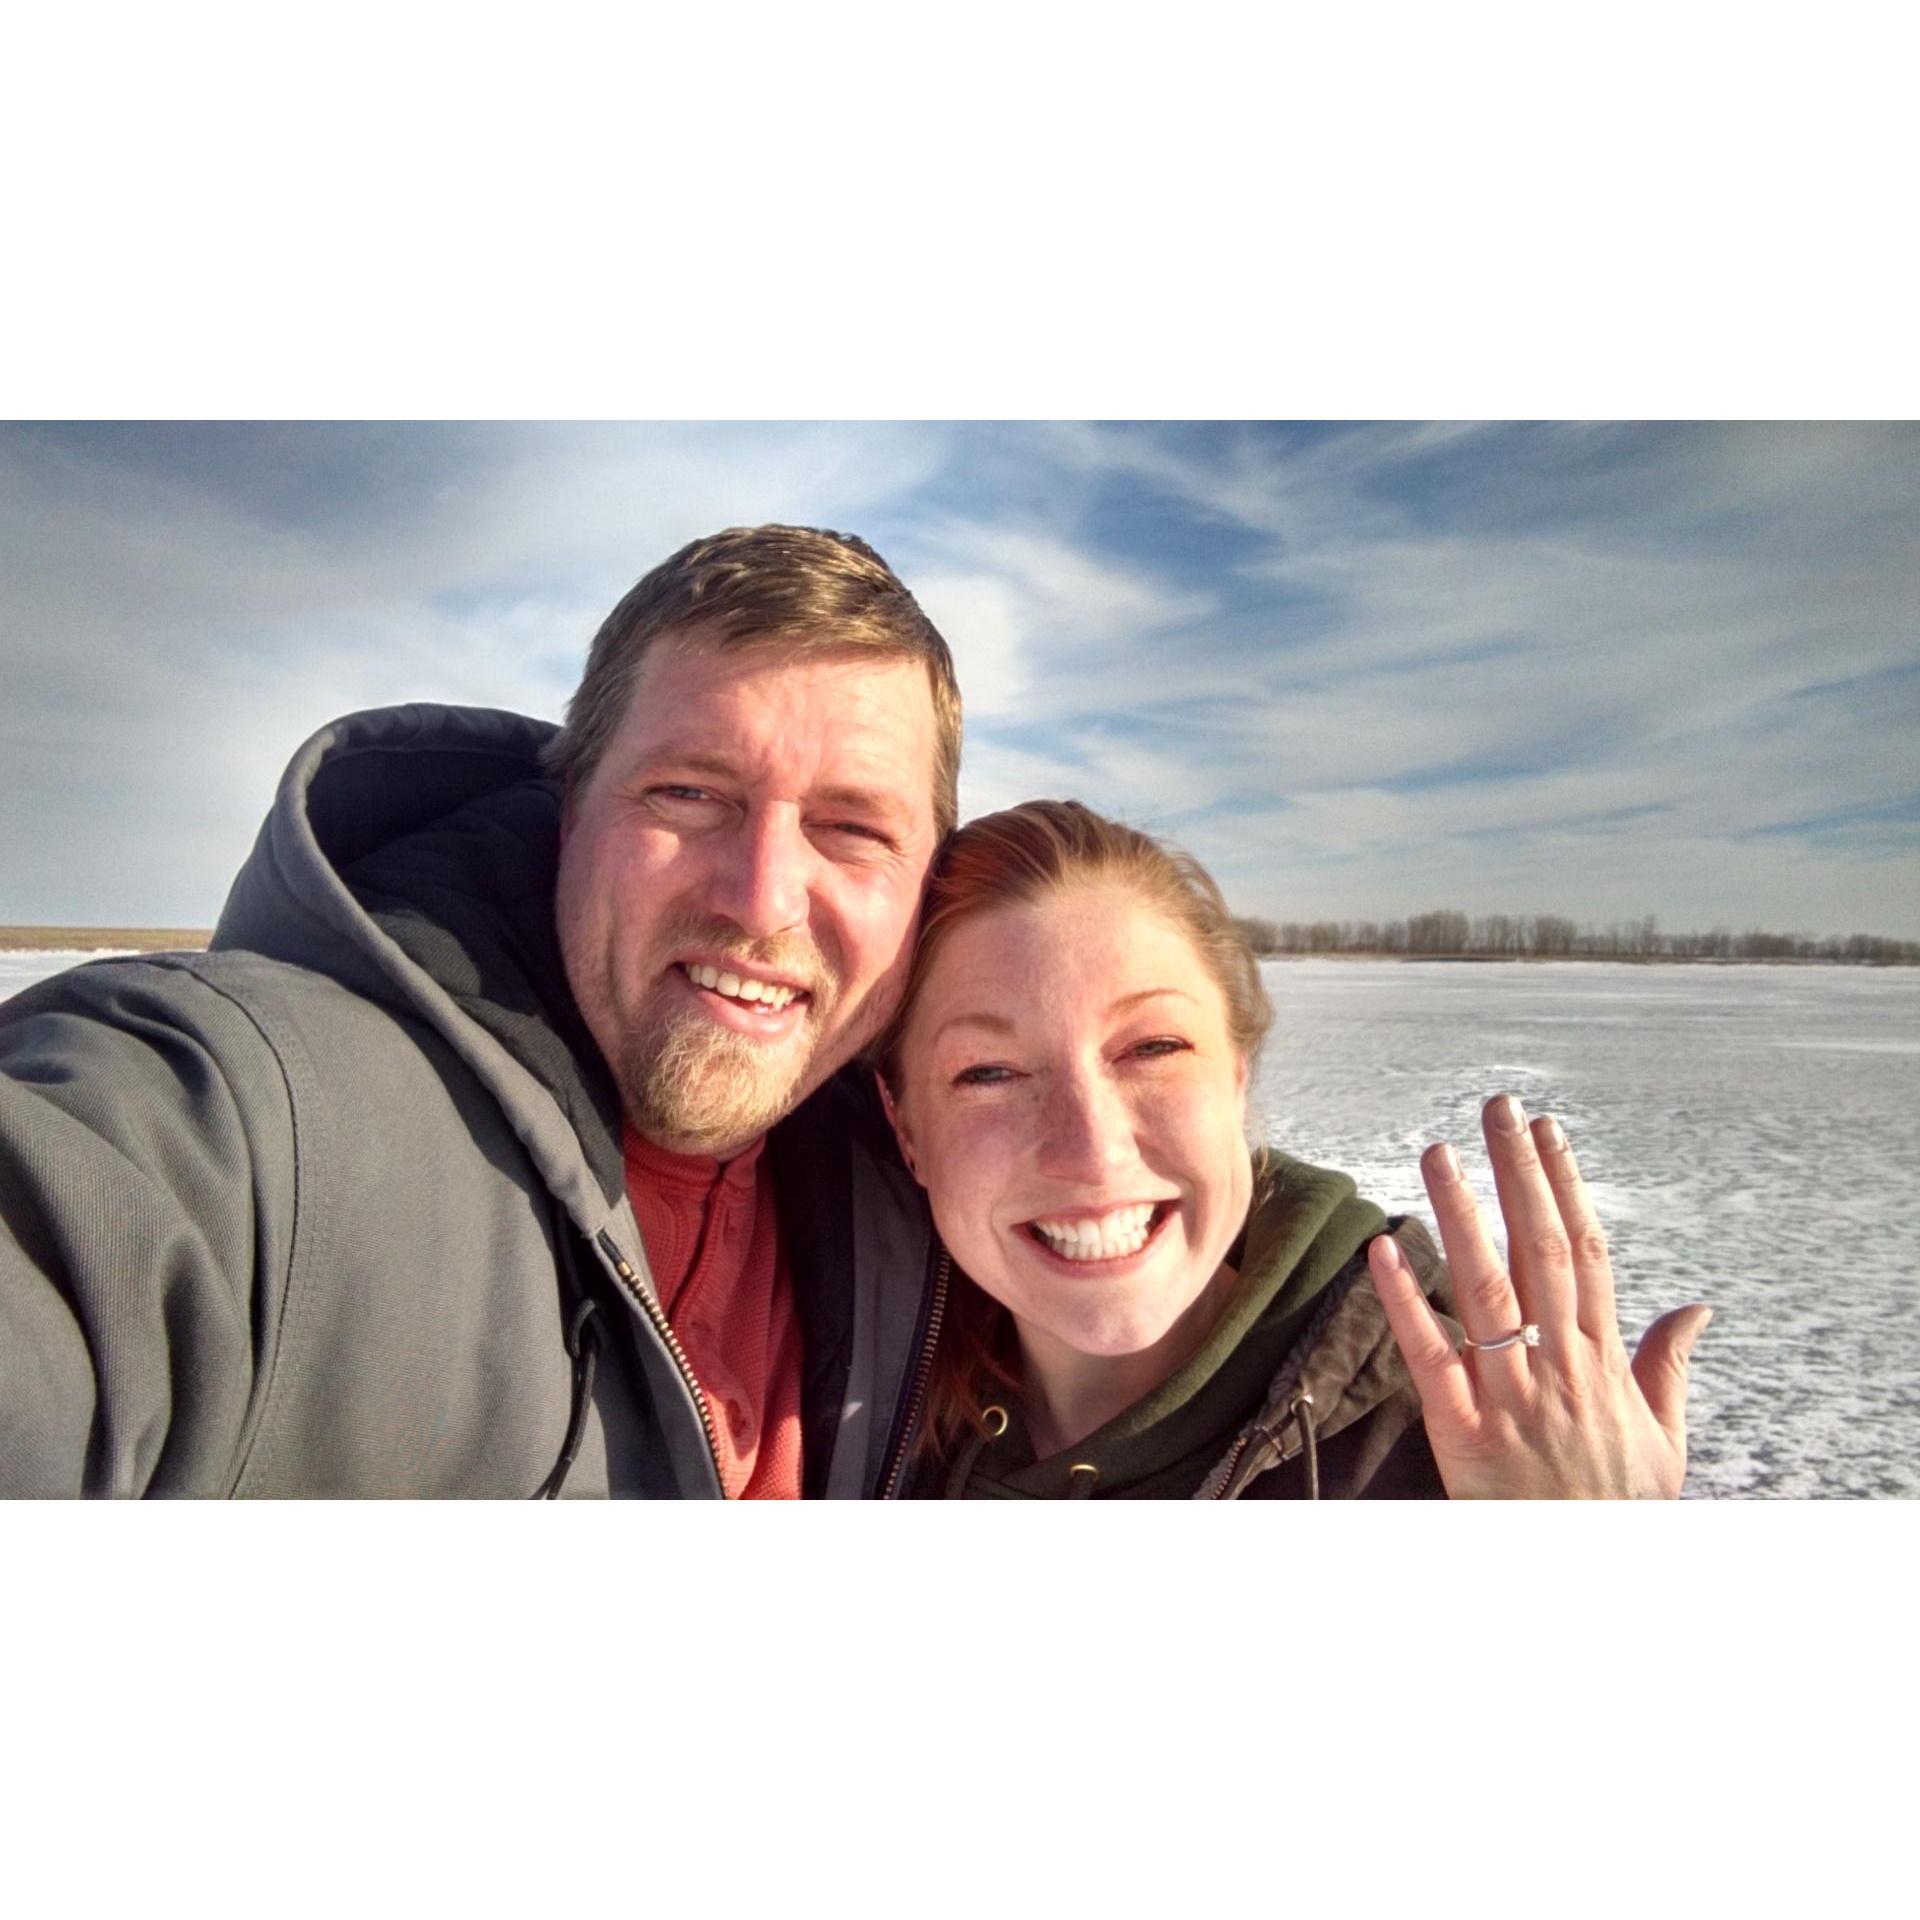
1568,1418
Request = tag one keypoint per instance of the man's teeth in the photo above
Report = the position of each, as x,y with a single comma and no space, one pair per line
764,991
1111,1237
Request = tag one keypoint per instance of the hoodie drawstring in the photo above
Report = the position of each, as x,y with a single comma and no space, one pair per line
583,1342
583,1346
1304,1421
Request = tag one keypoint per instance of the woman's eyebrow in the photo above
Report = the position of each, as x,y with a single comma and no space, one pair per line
987,1022
998,1023
1127,1000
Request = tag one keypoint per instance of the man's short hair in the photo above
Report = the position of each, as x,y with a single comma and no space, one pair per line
791,589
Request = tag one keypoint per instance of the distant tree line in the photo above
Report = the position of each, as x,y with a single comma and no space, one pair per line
1448,934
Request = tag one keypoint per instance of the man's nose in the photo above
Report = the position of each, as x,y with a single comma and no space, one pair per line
763,879
1088,1129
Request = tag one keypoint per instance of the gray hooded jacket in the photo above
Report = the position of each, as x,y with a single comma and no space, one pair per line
339,1207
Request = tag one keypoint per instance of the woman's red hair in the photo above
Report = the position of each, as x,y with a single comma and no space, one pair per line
1009,859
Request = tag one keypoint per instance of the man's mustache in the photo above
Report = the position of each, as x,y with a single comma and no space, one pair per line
792,956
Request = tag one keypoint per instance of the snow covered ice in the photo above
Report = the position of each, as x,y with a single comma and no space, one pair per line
18,970
1750,1135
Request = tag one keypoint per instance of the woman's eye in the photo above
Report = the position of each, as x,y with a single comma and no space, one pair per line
1161,1044
982,1076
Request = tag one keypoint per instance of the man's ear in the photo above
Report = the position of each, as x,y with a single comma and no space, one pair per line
898,1125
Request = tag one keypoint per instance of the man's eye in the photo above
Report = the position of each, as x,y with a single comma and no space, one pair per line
857,830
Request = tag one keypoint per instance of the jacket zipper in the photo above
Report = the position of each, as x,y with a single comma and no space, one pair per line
1230,1465
658,1320
922,1373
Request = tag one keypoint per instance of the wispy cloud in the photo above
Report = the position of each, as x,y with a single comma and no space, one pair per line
182,606
1601,670
1559,667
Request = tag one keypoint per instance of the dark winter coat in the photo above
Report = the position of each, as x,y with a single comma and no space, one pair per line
1299,1391
339,1206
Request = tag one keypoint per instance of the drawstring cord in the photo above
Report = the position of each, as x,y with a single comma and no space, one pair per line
583,1343
1214,1486
1257,1431
583,1346
1304,1421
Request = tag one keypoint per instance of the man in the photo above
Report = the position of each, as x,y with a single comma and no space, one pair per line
500,1144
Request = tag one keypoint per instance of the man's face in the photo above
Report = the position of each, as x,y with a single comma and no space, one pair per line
740,880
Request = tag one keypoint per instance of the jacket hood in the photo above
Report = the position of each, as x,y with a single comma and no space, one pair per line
410,859
410,854
1345,1366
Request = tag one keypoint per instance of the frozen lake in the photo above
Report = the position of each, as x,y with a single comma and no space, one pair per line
19,970
1751,1135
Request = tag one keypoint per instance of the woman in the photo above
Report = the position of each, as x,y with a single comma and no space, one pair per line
1143,1312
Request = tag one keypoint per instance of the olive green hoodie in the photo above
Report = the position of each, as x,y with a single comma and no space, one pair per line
1299,1389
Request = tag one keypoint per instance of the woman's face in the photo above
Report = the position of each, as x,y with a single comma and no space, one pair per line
1072,1102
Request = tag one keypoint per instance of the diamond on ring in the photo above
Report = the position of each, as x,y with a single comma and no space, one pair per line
1528,1335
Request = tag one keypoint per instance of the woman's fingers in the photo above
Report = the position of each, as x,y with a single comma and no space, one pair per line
1565,1419
1539,1252
1482,1290
1595,1307
1446,1393
1660,1367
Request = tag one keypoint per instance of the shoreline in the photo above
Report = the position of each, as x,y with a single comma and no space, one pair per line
104,939
1587,959
24,939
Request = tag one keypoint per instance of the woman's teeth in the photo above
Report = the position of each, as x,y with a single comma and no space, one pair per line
1111,1237
734,988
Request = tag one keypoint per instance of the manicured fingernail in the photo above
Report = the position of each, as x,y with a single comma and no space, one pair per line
1388,1251
1506,1113
1555,1139
1446,1162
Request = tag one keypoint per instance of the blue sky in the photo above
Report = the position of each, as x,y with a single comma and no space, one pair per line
1363,671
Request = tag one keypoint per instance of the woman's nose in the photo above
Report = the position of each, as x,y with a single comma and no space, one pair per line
1088,1130
763,878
